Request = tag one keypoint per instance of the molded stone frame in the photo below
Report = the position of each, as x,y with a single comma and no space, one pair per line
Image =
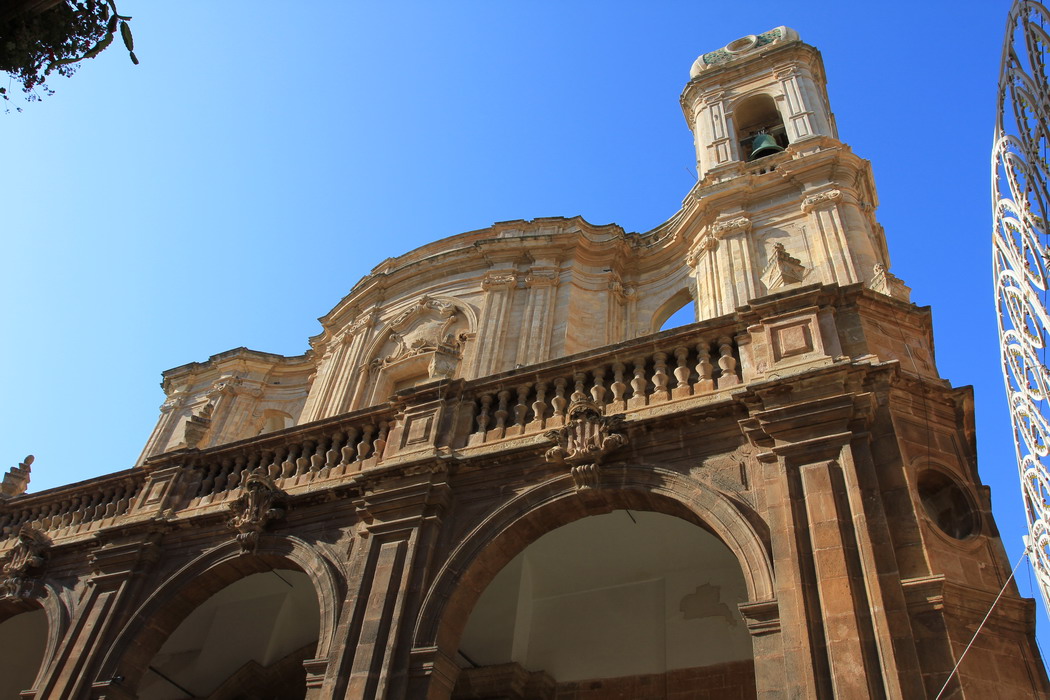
47,598
518,522
155,619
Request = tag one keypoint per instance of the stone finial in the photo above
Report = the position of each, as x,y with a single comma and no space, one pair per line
885,282
16,480
782,269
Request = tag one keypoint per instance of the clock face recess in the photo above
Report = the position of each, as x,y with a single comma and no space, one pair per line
1020,258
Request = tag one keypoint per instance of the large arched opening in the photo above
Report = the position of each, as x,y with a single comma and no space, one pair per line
23,647
674,514
625,604
231,625
249,639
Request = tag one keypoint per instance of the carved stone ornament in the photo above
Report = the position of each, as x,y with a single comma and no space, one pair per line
887,283
499,281
23,565
584,441
816,200
783,269
725,228
429,325
260,503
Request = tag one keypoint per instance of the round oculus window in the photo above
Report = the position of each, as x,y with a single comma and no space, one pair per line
948,505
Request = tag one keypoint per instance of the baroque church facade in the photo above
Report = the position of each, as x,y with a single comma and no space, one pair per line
494,476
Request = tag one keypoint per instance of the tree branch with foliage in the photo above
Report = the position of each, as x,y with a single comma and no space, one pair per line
35,44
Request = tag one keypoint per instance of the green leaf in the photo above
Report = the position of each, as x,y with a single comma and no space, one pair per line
125,34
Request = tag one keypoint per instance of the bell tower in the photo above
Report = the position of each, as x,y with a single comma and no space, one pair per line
783,202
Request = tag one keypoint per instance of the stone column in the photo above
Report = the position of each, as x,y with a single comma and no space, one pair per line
492,326
401,519
534,343
846,629
118,565
823,212
798,115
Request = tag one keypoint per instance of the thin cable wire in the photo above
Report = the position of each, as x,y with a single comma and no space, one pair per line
981,626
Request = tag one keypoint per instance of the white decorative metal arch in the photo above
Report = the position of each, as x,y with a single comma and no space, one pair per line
1020,253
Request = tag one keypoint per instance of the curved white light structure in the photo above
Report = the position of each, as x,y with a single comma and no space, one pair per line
1019,251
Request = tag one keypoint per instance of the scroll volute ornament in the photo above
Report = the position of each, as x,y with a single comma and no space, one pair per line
586,439
24,564
261,502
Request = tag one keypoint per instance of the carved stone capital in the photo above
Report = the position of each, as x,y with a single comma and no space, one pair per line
823,199
541,278
740,224
785,72
498,281
24,563
585,440
713,97
260,503
622,292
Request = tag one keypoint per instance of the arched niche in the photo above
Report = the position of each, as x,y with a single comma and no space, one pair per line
678,310
218,578
757,114
422,342
524,519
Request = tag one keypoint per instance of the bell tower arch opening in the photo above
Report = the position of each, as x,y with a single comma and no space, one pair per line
760,128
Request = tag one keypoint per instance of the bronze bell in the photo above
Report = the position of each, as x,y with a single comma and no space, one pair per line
763,145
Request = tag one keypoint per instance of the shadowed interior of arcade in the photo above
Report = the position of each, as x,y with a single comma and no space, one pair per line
625,604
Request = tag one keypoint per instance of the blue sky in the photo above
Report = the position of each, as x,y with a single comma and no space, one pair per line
235,185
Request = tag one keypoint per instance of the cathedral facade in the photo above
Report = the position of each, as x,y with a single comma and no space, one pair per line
493,475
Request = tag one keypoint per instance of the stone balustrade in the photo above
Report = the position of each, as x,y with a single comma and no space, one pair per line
74,509
625,380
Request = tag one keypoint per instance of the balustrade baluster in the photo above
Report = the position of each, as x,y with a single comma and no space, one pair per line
539,406
578,393
288,465
598,389
704,369
483,415
240,468
618,387
639,384
317,458
302,465
502,413
681,373
559,402
727,363
349,451
331,458
364,448
266,461
379,446
660,377
521,409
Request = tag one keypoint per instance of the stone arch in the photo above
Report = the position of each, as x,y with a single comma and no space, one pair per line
525,518
191,585
56,616
754,112
675,303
